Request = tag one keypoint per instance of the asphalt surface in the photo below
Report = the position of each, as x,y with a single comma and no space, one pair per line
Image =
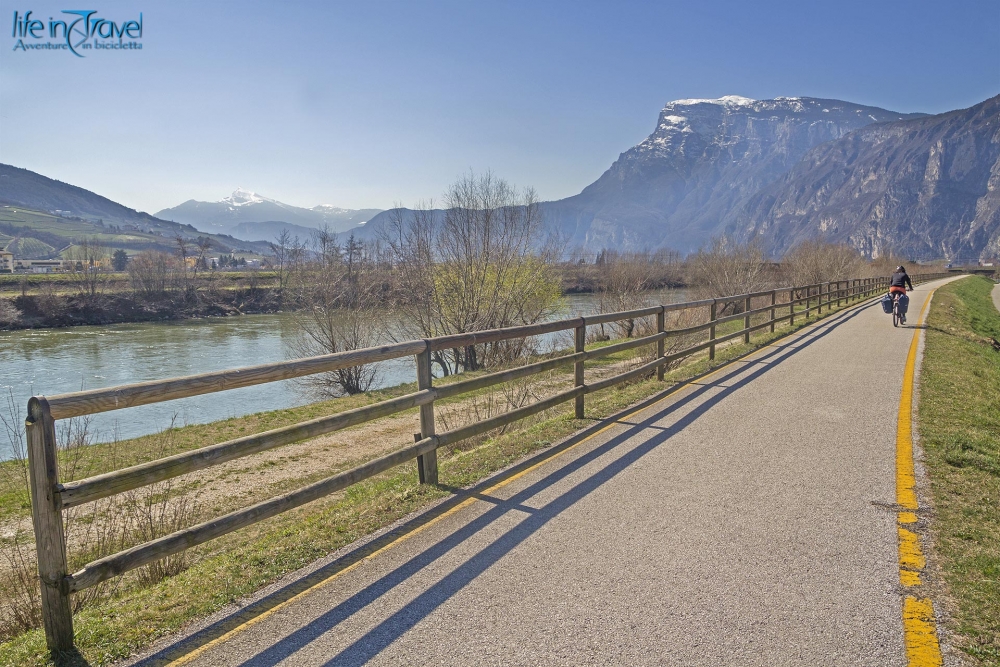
745,520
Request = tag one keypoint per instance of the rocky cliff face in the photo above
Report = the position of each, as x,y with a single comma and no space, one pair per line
698,169
924,188
790,169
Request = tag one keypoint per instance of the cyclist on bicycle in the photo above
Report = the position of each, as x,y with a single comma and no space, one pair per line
897,285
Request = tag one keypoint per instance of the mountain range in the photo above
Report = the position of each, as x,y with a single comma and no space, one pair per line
795,168
250,216
782,171
59,214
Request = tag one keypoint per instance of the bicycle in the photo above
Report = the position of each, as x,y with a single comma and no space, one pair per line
897,317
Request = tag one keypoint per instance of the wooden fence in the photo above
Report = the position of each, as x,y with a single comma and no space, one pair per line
49,496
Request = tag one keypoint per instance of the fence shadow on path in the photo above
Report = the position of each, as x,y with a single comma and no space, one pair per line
742,373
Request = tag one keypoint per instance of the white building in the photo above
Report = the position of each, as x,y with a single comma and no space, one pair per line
6,262
39,265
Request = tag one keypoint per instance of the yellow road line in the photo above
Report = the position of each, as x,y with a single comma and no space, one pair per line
919,629
201,650
910,556
921,636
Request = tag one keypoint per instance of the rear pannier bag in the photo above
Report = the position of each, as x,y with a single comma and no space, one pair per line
887,304
904,303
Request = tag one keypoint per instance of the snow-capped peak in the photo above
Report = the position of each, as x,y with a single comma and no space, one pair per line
241,197
728,101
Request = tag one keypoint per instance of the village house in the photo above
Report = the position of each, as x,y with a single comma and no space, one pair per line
40,265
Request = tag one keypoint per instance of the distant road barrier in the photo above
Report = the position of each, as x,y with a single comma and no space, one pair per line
49,496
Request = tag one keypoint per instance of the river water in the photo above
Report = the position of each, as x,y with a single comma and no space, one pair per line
54,361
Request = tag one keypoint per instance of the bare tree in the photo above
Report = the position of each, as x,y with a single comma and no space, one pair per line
90,257
325,244
409,237
183,252
281,248
152,272
9,313
728,268
624,280
475,266
816,261
339,291
204,244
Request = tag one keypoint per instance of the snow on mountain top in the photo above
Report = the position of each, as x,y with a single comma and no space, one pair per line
241,197
728,100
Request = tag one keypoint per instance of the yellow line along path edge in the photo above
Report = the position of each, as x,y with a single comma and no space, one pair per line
671,393
919,626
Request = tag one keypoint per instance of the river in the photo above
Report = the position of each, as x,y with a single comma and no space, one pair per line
54,361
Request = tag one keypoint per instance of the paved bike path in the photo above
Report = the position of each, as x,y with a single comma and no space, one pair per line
745,520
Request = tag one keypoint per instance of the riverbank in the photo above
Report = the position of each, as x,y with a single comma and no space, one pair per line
66,310
43,301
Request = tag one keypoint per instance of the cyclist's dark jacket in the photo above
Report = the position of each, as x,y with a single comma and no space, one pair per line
900,280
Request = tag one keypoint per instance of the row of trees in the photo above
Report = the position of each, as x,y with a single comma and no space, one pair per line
150,272
480,262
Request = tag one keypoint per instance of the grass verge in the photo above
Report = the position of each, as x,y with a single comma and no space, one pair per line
959,424
239,564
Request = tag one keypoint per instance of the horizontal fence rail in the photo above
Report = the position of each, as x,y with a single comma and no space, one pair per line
49,497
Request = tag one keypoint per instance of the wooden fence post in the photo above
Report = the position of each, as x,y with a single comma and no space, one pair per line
580,338
427,464
46,516
746,321
711,331
791,307
661,326
819,298
774,300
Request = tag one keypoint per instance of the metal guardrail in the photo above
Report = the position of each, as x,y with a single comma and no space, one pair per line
49,496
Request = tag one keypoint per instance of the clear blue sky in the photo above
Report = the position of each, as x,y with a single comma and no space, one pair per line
360,104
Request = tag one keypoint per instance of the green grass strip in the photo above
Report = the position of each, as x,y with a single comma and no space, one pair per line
959,425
